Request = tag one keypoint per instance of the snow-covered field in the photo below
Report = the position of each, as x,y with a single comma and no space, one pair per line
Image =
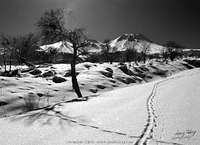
158,110
38,89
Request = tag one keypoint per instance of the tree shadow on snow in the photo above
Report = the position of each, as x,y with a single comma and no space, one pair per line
49,116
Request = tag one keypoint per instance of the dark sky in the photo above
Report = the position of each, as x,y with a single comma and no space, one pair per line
160,20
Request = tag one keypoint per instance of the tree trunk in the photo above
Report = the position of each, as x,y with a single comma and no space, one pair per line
144,58
136,62
10,64
4,61
73,74
110,58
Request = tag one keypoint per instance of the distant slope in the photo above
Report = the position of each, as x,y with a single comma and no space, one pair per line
137,41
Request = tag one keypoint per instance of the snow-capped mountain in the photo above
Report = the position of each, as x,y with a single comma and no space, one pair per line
139,42
94,47
63,47
66,47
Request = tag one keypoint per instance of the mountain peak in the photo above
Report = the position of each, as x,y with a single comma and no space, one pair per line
133,37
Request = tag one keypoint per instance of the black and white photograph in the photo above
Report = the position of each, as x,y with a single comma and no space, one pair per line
99,72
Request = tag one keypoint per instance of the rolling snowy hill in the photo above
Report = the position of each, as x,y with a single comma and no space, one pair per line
157,113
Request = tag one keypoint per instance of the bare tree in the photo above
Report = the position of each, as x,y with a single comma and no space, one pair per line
51,25
24,47
173,49
145,50
6,42
19,48
164,54
107,55
3,53
131,52
78,40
